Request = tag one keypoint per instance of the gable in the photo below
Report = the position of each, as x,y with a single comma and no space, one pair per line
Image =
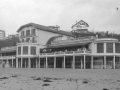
81,24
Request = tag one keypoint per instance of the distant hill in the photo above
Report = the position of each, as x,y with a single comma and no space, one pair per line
9,42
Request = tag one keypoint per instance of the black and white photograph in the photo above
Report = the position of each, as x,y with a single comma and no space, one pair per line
59,44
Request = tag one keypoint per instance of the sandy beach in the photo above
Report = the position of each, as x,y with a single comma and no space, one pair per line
59,79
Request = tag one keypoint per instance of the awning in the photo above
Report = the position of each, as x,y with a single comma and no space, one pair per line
68,45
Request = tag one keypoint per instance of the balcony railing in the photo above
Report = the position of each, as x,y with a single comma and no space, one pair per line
68,52
8,57
27,41
8,48
74,40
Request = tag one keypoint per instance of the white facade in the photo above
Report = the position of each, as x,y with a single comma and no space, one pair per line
2,34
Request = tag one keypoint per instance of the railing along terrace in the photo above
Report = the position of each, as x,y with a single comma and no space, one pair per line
27,41
68,52
10,56
88,38
8,48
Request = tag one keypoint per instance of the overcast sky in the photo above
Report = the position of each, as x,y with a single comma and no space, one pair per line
101,15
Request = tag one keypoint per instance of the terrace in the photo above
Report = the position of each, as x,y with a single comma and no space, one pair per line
63,51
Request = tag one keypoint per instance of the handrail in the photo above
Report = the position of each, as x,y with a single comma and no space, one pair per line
7,56
67,52
11,47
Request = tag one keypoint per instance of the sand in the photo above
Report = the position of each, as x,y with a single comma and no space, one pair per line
59,79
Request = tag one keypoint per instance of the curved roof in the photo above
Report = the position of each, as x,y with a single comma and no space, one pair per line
45,28
51,39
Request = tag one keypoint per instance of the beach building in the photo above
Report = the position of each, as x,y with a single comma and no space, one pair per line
41,46
2,34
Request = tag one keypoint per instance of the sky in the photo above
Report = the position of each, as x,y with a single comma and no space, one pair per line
101,15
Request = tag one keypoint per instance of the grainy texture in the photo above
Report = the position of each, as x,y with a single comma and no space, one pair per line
59,79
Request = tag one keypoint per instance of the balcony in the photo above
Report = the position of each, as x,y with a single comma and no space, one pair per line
11,48
8,57
66,53
30,41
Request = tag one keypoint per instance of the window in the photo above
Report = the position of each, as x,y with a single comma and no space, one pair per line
28,40
33,31
27,32
117,47
34,40
23,40
33,50
19,50
100,48
25,49
109,47
22,33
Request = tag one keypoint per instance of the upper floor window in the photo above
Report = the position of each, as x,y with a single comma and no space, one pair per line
109,47
100,48
23,40
27,32
34,40
117,47
22,33
28,40
33,31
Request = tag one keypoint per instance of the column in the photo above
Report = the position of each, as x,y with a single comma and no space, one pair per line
54,62
16,62
91,62
64,63
84,62
113,62
21,62
29,63
104,62
73,62
36,63
12,63
46,63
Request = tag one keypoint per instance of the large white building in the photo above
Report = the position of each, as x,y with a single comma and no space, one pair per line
42,47
2,34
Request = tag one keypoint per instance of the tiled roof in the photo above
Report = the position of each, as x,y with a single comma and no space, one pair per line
45,28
